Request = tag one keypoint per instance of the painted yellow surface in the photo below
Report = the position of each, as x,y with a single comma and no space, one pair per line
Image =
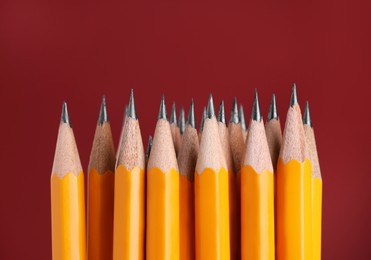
186,218
68,217
317,217
162,240
234,216
294,210
212,215
129,215
100,215
257,214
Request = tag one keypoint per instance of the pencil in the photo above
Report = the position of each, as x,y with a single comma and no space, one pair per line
294,190
241,116
257,193
175,131
67,196
101,190
316,183
211,194
187,159
149,147
202,123
128,233
162,194
273,131
236,137
181,121
234,213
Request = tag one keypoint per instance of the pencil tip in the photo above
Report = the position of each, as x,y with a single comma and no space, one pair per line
131,110
64,117
103,117
210,107
181,121
221,113
255,114
241,116
273,112
204,115
191,115
306,116
294,96
234,112
149,147
173,115
162,112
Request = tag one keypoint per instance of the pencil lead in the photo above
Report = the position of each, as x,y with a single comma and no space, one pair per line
191,115
64,117
173,115
221,113
181,121
204,114
234,112
273,112
103,117
162,112
306,116
241,116
149,147
131,111
294,96
210,107
255,114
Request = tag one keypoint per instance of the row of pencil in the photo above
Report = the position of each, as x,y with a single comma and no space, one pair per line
223,192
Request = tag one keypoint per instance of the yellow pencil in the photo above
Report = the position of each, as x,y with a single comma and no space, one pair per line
67,196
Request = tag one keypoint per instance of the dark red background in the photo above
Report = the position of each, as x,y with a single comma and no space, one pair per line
52,51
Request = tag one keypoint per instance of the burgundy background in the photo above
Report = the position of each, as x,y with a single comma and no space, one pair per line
77,51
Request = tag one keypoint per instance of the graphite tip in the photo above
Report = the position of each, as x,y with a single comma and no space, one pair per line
149,147
273,112
234,113
210,107
221,113
131,111
162,112
241,116
173,115
181,122
64,117
204,115
306,116
103,117
294,96
255,114
191,115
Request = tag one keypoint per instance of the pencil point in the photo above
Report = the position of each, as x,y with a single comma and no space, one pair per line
181,122
162,112
273,112
234,113
103,117
64,117
306,116
131,111
204,114
255,114
221,113
294,96
210,107
173,114
191,115
149,147
241,116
